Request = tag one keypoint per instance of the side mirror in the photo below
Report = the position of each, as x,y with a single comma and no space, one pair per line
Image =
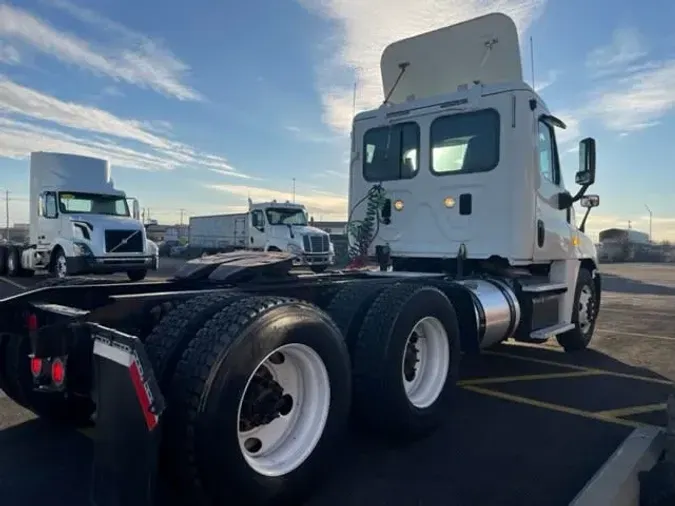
589,201
135,209
586,174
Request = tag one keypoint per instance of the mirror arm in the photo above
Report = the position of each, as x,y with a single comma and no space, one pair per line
582,226
581,193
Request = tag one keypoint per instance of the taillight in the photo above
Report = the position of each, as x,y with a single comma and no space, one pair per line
58,372
36,366
31,322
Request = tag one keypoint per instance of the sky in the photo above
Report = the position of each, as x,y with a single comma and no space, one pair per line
200,104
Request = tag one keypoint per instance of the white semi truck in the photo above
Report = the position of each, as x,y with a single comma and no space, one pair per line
79,223
267,226
455,188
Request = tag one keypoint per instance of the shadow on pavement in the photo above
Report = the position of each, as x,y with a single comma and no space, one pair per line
40,462
489,451
614,283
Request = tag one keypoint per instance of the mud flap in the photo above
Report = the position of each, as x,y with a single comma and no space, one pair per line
129,407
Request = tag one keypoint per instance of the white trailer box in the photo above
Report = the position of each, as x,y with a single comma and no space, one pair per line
220,231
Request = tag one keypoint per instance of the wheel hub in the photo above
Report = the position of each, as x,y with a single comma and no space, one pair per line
586,309
411,357
264,401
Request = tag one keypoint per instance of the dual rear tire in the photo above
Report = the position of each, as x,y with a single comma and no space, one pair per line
262,386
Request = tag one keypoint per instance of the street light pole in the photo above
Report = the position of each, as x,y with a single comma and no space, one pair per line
650,221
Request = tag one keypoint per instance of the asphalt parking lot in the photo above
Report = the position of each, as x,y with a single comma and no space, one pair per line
531,424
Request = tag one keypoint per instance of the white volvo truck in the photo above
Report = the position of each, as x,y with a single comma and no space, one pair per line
455,188
79,223
267,226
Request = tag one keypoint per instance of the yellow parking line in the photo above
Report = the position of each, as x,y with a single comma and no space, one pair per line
554,407
634,410
528,377
582,368
638,311
636,334
13,283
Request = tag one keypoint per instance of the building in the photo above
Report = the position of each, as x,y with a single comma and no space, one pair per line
18,233
334,228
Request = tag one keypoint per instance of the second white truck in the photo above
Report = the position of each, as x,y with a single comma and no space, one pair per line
79,223
267,226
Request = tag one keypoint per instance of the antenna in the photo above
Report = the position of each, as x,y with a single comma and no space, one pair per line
532,60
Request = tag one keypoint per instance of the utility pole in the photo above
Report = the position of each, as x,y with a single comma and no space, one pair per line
629,222
650,221
182,211
294,190
7,215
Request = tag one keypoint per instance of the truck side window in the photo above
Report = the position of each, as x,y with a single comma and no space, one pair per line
50,210
391,153
257,219
549,166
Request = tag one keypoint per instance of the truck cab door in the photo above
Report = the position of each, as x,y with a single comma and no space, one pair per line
552,237
257,235
49,225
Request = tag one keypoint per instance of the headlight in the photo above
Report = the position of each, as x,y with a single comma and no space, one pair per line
294,248
81,249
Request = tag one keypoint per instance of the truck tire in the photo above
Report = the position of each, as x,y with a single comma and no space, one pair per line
137,275
349,307
54,407
3,260
169,339
584,314
224,370
400,389
13,262
4,339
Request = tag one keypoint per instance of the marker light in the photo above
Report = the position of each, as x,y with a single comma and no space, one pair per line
398,205
36,366
449,202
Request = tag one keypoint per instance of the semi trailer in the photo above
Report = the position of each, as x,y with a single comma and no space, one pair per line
79,223
267,226
234,381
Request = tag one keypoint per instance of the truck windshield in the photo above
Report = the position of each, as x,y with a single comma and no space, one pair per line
281,216
93,203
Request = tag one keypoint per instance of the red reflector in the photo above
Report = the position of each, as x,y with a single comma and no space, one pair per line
36,366
58,371
31,322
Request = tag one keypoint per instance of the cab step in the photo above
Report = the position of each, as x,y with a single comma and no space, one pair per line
544,288
547,333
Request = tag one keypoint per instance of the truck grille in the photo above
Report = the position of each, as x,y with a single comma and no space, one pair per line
315,243
134,243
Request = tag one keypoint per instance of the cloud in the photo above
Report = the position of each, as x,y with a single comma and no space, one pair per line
319,203
550,78
363,29
638,100
133,58
625,49
306,135
31,120
9,55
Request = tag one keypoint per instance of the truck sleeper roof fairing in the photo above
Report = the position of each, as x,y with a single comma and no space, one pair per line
484,49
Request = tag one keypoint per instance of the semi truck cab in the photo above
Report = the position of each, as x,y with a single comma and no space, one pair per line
80,223
284,226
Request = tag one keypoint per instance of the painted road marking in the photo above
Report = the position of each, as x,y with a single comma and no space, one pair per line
13,283
528,377
554,407
635,334
582,368
641,312
634,410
